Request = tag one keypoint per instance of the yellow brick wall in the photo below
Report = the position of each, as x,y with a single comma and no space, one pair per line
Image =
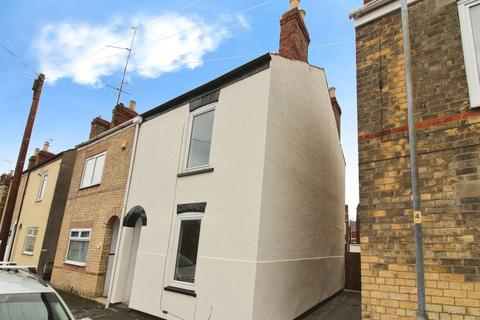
94,207
449,165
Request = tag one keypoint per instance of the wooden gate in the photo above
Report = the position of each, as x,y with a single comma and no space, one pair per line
352,271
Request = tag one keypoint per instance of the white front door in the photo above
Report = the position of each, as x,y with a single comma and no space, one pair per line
132,261
111,257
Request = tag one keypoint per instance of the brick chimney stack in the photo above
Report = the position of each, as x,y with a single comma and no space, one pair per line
40,156
336,108
98,126
294,37
122,114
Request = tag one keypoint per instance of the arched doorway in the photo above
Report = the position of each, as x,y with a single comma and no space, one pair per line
113,226
136,219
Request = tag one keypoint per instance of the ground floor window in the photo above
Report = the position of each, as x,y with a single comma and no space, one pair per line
30,239
188,235
78,246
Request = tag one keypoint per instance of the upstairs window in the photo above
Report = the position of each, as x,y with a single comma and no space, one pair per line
93,170
42,187
30,240
469,11
200,141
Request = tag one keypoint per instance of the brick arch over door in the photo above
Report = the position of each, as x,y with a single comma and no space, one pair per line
133,215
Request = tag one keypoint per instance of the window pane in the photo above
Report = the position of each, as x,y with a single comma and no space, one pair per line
74,234
187,251
475,19
201,140
41,189
87,174
85,234
98,172
77,251
29,243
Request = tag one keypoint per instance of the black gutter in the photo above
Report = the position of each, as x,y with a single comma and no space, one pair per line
246,70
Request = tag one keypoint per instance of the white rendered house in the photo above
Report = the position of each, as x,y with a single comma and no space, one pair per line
236,197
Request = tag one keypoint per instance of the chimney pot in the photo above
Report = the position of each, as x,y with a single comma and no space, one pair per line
133,105
332,91
294,4
303,13
46,145
336,108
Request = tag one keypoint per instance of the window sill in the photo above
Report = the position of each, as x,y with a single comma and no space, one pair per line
75,263
194,172
27,253
181,291
90,186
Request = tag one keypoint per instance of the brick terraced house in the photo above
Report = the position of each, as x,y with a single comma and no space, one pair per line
96,197
445,48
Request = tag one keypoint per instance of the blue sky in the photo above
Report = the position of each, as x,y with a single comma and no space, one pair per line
67,41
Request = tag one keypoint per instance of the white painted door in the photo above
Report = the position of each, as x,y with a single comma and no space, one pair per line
111,257
132,261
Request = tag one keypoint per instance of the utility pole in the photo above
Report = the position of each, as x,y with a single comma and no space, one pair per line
412,139
14,185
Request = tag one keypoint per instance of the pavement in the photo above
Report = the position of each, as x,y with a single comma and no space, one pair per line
345,306
85,308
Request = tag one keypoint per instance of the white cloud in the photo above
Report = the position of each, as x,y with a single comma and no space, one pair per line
163,44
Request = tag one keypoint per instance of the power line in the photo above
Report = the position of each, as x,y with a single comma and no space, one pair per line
190,4
143,46
256,53
23,73
10,52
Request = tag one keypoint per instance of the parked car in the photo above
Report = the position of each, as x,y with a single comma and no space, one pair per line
25,296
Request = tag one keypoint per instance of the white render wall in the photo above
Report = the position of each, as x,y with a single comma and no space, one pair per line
301,253
271,241
229,233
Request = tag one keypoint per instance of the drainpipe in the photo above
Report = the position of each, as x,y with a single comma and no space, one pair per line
417,210
137,121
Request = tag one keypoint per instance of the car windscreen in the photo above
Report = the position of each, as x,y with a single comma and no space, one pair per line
29,306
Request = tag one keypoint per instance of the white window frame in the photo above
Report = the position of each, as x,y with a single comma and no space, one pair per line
28,235
90,184
184,217
42,187
199,111
471,67
79,238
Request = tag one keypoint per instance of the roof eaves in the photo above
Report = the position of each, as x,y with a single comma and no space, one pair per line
246,70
